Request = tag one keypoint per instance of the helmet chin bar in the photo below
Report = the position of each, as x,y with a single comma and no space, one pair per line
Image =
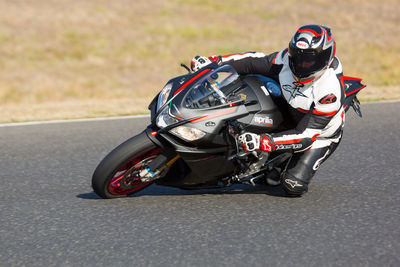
310,78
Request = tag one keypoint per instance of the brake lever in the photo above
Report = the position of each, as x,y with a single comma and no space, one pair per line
186,67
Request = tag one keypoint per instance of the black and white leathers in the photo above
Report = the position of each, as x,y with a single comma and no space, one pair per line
316,105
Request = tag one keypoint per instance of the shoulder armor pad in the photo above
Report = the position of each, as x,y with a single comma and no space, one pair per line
328,99
280,57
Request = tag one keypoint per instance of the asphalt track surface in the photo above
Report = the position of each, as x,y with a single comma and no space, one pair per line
51,217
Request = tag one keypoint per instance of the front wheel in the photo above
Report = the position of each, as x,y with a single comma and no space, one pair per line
117,175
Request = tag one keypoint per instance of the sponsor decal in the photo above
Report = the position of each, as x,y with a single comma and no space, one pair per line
302,45
293,91
289,146
263,120
210,124
292,183
319,161
266,144
328,99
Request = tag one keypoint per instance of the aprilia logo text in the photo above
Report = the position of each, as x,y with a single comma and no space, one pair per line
264,120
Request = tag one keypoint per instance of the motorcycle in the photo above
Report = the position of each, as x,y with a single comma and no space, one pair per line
191,140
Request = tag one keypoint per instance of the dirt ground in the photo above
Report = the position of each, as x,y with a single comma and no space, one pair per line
63,59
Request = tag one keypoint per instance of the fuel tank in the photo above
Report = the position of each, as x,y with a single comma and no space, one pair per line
264,116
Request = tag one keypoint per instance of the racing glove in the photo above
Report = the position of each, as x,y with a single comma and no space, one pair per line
251,142
199,62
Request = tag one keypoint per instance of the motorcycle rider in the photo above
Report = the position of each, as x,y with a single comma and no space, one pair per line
308,75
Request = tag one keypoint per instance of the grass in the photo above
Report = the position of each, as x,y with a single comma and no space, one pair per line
69,59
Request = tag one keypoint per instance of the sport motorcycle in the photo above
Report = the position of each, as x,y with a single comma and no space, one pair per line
191,140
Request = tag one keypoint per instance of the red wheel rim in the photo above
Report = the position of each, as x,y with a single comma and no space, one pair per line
133,166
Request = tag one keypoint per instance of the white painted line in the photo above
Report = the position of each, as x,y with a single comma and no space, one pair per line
72,120
381,102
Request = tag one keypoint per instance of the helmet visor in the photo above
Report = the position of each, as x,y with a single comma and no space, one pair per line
305,64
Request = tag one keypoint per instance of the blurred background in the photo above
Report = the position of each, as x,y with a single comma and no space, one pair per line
63,59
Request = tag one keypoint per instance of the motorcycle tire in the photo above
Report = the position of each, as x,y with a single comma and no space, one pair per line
117,174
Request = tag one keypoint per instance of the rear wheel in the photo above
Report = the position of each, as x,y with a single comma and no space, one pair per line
117,175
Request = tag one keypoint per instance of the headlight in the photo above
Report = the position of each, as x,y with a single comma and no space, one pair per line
187,133
163,96
164,119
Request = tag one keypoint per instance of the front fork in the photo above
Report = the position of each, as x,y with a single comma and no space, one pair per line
158,167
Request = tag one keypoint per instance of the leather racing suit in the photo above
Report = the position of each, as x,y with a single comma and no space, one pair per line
316,107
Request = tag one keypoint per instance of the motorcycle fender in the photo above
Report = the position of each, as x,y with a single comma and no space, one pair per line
154,136
196,161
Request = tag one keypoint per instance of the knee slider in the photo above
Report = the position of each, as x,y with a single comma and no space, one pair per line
292,185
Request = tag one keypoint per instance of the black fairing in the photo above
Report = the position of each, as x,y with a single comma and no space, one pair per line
207,158
176,84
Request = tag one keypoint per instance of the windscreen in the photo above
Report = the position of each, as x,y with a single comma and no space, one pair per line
209,91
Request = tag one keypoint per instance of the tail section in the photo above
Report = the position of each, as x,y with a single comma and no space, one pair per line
351,86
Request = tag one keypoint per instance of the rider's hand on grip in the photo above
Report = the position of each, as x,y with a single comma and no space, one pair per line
251,142
199,62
